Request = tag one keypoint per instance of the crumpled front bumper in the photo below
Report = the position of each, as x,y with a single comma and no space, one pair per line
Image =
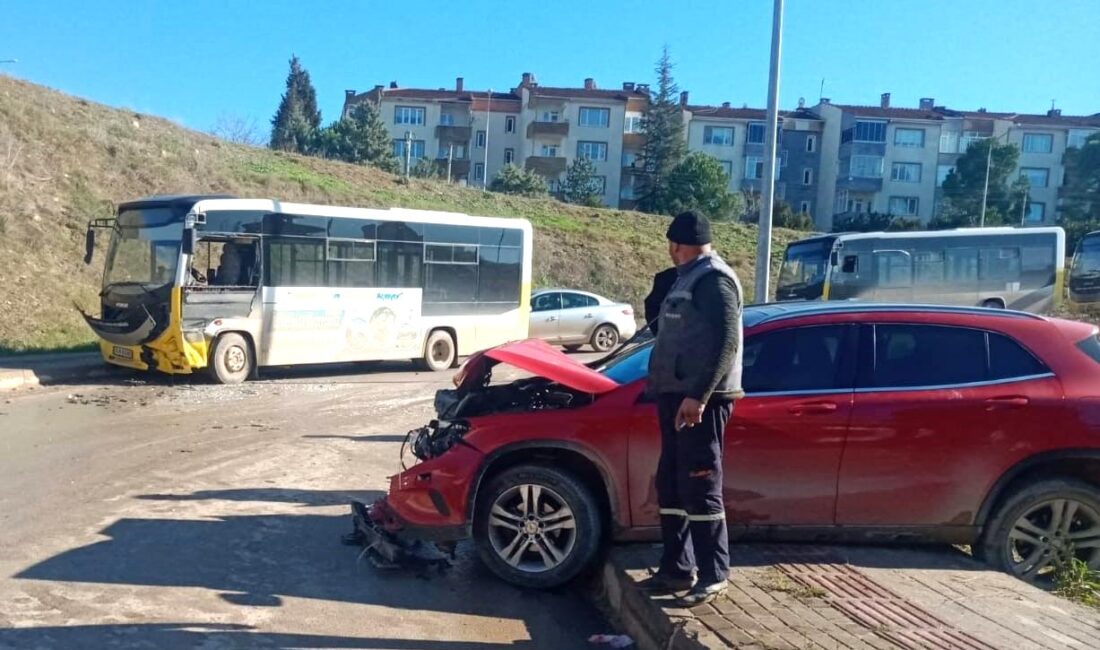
386,544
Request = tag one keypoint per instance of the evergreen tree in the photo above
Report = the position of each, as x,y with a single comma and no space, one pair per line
700,183
962,190
1081,193
581,185
516,180
361,138
665,146
295,124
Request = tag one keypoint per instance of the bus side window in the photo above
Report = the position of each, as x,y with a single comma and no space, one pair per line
851,264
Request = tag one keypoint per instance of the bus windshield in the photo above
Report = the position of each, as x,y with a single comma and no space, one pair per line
804,265
1087,260
144,249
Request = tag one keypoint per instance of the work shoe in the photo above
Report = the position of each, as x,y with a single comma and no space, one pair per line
661,583
701,593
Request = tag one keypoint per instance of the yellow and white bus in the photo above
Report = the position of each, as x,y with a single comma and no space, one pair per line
233,285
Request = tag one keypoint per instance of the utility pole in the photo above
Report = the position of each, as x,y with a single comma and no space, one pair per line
450,159
985,188
408,154
485,165
764,241
1023,206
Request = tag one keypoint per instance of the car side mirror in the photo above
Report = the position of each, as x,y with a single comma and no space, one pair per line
89,245
190,239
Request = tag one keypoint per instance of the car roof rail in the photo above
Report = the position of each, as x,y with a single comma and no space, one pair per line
782,311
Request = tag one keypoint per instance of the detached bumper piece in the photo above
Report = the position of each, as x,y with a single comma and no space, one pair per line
386,548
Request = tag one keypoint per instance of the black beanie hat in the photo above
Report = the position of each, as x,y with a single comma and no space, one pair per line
689,229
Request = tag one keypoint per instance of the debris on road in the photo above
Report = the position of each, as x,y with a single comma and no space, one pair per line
386,550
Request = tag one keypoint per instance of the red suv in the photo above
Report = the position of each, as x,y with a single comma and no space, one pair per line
863,423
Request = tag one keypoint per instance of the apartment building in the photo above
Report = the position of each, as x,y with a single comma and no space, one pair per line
894,160
538,127
834,159
735,136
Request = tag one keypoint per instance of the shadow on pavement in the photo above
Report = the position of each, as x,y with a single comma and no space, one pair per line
273,495
204,635
258,560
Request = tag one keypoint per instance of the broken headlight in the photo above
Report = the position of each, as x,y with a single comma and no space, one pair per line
436,438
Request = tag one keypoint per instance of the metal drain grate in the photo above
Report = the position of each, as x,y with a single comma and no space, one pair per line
872,605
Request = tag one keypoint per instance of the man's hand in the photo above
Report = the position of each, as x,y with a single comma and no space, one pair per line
690,413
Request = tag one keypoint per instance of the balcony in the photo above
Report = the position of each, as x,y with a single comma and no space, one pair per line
549,166
859,184
557,129
633,140
459,166
453,133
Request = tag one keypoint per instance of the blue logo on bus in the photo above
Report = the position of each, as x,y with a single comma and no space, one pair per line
389,296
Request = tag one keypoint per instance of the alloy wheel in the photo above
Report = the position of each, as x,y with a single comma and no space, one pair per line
1049,534
532,528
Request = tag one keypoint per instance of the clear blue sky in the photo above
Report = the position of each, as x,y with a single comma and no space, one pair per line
191,61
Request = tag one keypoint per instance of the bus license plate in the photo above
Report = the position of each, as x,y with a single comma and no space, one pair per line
123,353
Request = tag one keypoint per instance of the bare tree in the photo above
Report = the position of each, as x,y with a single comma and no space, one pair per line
238,129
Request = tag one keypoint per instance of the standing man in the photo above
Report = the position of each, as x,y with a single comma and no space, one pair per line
695,375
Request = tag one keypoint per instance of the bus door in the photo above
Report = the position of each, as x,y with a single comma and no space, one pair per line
893,276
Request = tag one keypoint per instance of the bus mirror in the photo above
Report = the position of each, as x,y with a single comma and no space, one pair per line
833,259
190,238
89,245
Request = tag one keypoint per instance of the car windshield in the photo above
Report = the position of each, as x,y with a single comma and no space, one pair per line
1088,258
144,249
629,366
804,264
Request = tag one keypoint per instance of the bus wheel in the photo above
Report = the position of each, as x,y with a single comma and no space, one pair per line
231,359
439,351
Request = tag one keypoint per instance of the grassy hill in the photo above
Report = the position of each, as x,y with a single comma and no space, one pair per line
64,160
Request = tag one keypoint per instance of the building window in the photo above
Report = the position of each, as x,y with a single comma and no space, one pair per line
509,156
446,119
479,139
804,207
905,172
941,174
510,124
865,167
754,167
1036,176
598,117
949,143
903,205
550,150
1038,142
727,167
908,137
969,138
592,150
1077,138
866,131
413,115
811,143
1036,212
807,176
719,135
632,124
550,116
479,171
417,149
754,134
458,151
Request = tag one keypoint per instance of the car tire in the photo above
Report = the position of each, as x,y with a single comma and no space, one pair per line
1028,535
572,348
231,359
605,338
440,352
993,303
529,555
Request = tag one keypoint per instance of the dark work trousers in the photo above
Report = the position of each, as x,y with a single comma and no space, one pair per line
689,492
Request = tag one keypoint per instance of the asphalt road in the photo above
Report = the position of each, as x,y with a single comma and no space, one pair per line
153,513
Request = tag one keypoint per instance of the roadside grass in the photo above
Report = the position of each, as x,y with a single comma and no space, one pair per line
1075,581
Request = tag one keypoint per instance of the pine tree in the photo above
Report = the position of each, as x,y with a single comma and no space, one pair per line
581,185
665,146
295,124
361,138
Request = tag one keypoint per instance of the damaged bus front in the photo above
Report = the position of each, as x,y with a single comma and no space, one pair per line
140,300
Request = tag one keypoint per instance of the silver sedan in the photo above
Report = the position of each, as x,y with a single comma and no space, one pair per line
576,318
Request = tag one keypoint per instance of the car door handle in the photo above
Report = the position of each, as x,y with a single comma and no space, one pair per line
588,315
1006,402
813,408
551,319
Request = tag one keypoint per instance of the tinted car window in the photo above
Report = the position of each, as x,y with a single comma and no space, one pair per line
797,359
630,366
1091,347
575,300
546,302
927,355
1007,359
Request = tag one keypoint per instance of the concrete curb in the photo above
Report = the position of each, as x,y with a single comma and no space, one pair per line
39,370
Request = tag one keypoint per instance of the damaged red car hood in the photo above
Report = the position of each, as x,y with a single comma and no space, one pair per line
538,358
